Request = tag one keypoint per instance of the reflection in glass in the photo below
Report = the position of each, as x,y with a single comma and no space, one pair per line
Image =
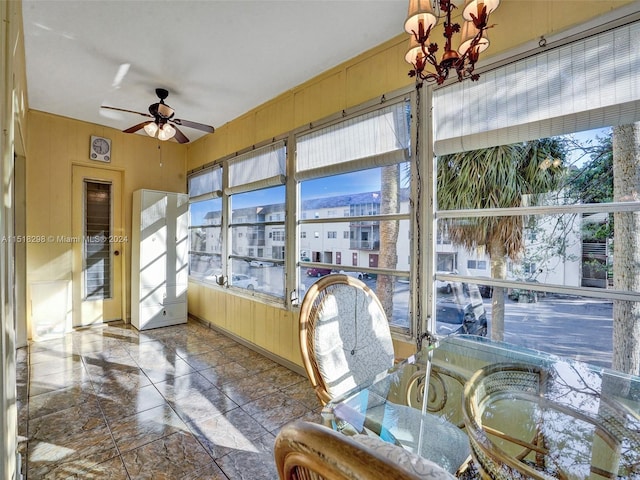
268,279
460,310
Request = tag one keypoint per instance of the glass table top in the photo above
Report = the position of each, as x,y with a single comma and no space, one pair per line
523,413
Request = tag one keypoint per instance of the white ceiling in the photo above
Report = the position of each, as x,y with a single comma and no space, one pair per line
218,58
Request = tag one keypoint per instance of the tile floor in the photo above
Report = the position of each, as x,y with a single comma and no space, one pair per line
181,402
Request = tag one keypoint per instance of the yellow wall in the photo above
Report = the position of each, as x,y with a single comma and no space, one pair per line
378,71
55,145
273,329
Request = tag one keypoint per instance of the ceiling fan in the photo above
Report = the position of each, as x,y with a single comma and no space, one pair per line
163,123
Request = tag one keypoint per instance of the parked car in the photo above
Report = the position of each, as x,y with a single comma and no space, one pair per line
444,285
358,275
244,281
461,313
260,263
318,272
525,295
486,291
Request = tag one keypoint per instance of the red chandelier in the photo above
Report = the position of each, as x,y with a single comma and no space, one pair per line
424,15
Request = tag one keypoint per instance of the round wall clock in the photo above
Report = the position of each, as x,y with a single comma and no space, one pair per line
100,149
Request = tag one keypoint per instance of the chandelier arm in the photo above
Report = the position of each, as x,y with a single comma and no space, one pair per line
441,72
448,27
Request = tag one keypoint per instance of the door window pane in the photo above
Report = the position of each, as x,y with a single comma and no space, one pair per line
97,247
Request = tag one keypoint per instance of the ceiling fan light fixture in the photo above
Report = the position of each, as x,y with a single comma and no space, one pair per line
165,110
151,128
166,132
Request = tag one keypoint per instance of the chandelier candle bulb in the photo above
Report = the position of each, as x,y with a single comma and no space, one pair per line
414,54
420,14
475,7
469,32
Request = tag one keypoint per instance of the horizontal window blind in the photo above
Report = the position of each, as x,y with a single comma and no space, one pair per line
370,140
205,184
257,185
381,160
590,83
206,196
260,168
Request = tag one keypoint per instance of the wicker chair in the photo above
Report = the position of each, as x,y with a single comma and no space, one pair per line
308,451
345,342
344,336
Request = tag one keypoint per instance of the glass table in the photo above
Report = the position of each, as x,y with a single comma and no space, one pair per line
525,414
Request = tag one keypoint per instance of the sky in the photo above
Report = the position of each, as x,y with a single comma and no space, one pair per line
349,183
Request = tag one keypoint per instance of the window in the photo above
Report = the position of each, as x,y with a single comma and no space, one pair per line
278,253
205,225
361,160
257,204
303,234
551,135
477,264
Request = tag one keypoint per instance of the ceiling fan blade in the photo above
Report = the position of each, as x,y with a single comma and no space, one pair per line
125,110
196,125
137,127
179,136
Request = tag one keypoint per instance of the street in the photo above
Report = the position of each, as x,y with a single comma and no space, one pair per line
577,327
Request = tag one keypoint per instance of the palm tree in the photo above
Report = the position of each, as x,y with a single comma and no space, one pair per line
390,203
496,177
626,255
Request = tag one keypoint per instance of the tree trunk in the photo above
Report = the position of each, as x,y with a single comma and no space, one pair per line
498,256
626,252
388,256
